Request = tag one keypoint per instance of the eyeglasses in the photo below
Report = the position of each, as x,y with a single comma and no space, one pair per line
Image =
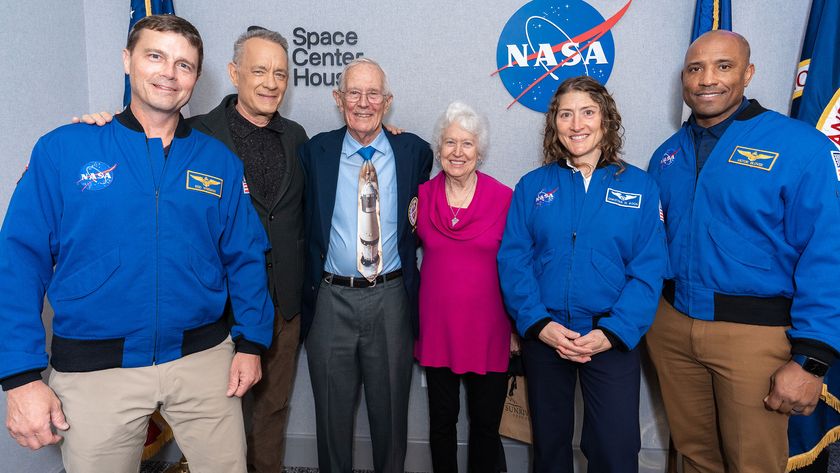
374,96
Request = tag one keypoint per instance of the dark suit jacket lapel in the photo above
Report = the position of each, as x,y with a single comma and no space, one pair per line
291,167
402,163
328,162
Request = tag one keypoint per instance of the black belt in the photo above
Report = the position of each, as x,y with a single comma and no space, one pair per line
360,281
767,311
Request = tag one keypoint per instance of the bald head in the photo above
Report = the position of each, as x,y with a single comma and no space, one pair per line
716,71
722,37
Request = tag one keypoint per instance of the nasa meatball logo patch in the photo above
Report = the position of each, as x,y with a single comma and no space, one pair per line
668,158
545,197
835,158
96,176
623,199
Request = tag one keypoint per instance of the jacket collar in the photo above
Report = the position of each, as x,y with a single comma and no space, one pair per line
128,120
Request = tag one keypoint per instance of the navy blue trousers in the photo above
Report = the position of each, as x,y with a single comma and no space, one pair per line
610,386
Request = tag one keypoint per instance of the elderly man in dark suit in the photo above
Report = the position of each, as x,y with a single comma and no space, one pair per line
360,296
249,124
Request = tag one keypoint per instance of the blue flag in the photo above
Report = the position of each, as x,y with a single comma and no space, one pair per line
140,9
816,93
816,100
711,15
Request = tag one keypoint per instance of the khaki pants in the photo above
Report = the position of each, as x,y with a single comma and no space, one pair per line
108,412
714,377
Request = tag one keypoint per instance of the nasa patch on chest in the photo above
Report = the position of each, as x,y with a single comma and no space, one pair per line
623,199
95,176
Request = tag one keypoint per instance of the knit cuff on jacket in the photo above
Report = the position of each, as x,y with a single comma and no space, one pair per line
533,332
614,340
18,380
251,348
814,349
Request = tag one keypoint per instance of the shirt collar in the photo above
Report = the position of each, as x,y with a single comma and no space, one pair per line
350,146
241,127
717,130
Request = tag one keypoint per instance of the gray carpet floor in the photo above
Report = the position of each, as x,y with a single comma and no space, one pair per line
165,467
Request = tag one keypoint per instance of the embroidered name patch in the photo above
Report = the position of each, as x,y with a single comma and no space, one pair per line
623,199
545,197
206,183
754,158
95,176
835,157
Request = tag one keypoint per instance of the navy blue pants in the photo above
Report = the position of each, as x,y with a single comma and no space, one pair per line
610,386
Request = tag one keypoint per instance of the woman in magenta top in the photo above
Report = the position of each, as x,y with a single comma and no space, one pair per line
465,332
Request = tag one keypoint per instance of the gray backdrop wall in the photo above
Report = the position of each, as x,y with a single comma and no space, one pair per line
61,58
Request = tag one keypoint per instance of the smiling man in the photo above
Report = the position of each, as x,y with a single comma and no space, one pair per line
139,233
266,142
360,297
748,322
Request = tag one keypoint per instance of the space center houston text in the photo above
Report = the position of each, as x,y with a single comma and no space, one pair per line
320,56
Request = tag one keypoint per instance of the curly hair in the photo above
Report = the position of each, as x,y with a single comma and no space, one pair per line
611,143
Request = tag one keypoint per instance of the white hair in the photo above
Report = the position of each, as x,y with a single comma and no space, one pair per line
464,116
342,81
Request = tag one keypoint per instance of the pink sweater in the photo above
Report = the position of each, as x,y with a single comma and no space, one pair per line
463,323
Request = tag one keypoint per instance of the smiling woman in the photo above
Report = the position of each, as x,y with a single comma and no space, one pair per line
465,333
581,266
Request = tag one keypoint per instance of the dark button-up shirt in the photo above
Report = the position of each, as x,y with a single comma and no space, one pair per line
261,151
705,139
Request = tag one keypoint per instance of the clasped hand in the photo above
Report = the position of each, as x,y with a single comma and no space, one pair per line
570,345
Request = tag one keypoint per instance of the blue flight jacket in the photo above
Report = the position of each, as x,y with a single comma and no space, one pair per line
584,259
136,252
755,238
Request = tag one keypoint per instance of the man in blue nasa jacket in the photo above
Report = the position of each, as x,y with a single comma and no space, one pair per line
137,231
748,324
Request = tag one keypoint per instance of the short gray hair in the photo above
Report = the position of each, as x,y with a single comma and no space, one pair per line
342,82
257,32
464,116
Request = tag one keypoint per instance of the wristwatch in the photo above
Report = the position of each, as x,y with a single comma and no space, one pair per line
811,365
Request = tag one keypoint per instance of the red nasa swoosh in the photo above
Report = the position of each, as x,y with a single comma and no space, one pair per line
589,36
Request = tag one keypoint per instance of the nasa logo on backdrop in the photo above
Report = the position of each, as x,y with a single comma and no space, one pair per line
547,41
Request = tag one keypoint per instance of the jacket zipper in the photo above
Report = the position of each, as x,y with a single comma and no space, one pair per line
575,218
157,187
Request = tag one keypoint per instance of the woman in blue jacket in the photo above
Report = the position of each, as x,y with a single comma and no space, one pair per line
581,266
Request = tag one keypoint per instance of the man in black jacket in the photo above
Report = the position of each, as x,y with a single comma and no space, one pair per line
249,124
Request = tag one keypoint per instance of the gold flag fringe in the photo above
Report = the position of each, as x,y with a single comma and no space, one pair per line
804,459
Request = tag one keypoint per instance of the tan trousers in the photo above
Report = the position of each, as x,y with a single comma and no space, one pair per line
714,377
270,410
108,412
